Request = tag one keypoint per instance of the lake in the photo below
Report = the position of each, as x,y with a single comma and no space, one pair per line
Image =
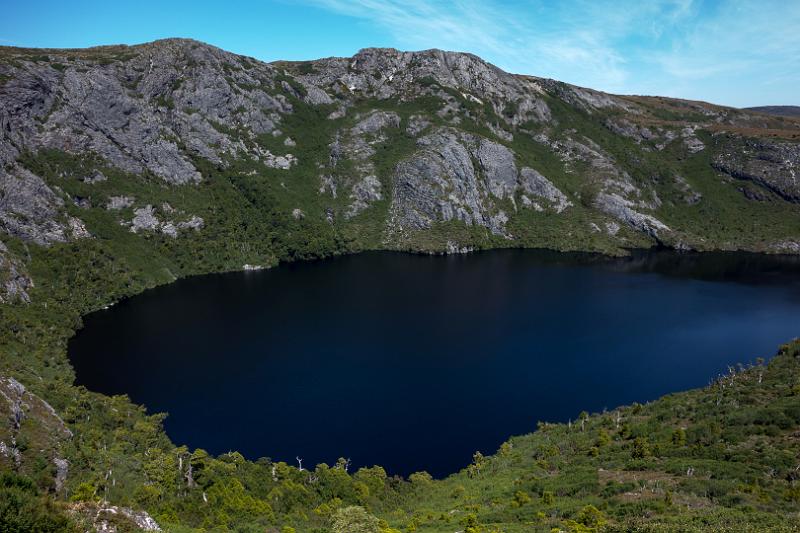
414,362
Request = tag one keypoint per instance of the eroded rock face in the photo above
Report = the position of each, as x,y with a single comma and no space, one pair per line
105,518
499,168
626,128
623,209
440,182
786,247
152,112
619,195
14,279
357,145
774,165
169,100
388,73
30,210
537,185
145,219
690,140
376,121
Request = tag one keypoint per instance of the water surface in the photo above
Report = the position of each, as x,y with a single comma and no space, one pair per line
414,362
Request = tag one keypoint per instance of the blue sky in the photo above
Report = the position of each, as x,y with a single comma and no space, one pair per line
737,52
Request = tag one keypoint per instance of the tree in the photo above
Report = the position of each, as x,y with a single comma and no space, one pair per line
679,437
374,478
85,492
603,439
354,519
521,498
641,448
505,449
584,416
471,524
420,479
478,461
22,508
591,517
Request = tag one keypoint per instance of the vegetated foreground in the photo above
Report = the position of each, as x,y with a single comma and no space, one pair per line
127,167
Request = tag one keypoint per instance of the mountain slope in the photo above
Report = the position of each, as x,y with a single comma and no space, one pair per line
384,149
777,110
126,167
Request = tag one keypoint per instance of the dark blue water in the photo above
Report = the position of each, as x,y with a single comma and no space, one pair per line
414,362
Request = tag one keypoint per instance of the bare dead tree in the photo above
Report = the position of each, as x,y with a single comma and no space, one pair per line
189,475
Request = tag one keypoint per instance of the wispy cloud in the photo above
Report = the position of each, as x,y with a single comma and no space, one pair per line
677,47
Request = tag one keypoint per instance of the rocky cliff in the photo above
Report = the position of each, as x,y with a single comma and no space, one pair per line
431,150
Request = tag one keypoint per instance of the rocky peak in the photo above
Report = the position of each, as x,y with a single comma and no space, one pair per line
386,73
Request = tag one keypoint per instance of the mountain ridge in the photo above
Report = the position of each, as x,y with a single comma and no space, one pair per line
778,110
122,168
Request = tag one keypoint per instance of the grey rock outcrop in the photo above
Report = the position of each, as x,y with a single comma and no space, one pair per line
116,203
786,247
145,220
376,121
622,209
771,164
105,518
499,168
690,140
388,73
195,223
619,196
438,182
459,176
537,185
30,210
357,145
588,100
14,279
689,194
169,101
626,128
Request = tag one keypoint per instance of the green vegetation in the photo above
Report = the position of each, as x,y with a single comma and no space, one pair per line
726,457
23,508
